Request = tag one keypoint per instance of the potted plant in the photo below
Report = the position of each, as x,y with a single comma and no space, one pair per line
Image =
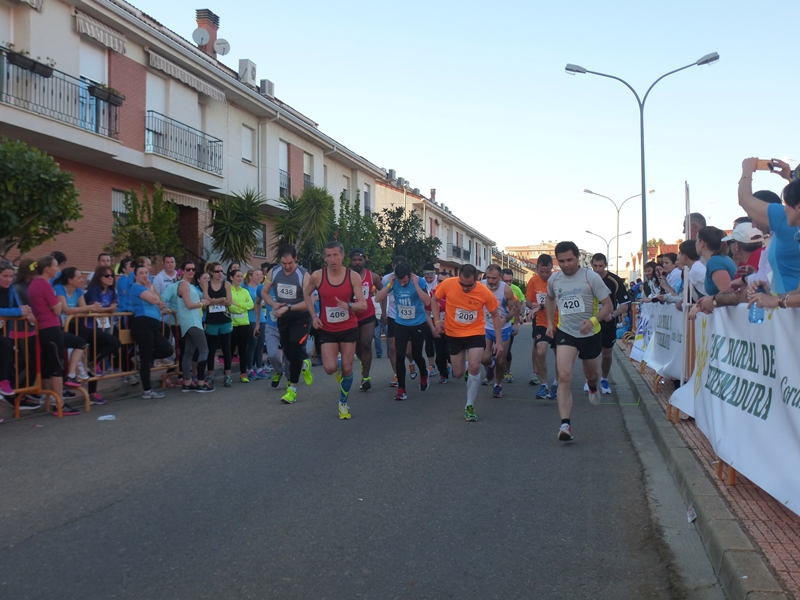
20,58
44,69
99,91
115,97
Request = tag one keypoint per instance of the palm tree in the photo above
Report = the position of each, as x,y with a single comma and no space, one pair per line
235,225
308,221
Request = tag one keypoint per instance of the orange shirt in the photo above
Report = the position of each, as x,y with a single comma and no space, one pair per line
464,311
537,292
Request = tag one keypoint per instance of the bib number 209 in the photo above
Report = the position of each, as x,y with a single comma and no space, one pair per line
466,317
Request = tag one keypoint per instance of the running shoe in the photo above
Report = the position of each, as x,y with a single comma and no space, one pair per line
244,379
423,383
594,397
152,394
344,412
308,376
432,371
5,388
442,379
276,380
393,382
66,410
486,381
401,394
251,374
565,433
28,404
228,381
543,392
469,413
290,397
497,391
365,384
189,388
534,380
554,391
97,399
605,386
83,374
69,394
72,381
205,388
261,374
412,371
508,377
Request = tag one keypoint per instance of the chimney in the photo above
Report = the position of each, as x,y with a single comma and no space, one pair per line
433,194
210,22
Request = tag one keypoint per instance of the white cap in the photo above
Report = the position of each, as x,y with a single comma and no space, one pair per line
745,233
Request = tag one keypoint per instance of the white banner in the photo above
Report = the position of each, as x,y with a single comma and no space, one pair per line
664,353
745,396
644,331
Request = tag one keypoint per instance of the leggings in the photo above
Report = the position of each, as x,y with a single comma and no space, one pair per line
255,347
294,333
7,360
152,345
224,340
402,335
240,340
430,347
194,340
442,355
106,344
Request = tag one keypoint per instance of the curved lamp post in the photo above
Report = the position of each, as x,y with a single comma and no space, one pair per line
575,69
608,245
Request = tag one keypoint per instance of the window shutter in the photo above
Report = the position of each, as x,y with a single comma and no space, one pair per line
94,62
247,143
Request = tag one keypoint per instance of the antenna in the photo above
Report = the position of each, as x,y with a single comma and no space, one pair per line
222,47
201,36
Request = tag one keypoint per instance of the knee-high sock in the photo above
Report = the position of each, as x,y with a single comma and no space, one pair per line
473,385
347,383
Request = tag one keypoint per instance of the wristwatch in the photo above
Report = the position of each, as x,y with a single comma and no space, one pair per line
714,300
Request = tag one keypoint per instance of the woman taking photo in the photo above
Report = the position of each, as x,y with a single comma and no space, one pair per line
219,325
189,307
241,303
146,329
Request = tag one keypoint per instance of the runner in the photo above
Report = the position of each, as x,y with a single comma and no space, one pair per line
340,297
535,297
578,292
620,302
508,278
495,362
440,340
389,314
465,325
289,306
431,281
366,320
413,317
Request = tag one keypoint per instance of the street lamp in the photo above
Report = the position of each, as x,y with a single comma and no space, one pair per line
618,208
571,69
608,244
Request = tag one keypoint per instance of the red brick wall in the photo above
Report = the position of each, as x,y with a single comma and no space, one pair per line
296,167
130,78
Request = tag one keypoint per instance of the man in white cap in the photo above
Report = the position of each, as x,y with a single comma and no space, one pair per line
746,244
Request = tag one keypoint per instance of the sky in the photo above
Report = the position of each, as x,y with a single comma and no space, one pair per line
471,98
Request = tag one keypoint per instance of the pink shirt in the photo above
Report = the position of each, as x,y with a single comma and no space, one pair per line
42,298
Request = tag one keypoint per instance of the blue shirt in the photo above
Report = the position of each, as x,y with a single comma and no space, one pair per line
255,294
714,264
123,287
784,253
73,300
270,318
410,308
142,308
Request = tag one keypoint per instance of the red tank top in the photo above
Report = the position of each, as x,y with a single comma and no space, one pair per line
366,287
335,319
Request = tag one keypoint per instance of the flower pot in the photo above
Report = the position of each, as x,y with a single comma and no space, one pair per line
115,100
21,61
42,69
99,93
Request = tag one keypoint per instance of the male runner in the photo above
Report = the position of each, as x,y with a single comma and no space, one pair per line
535,297
466,327
340,298
366,319
388,316
413,318
288,281
507,303
608,327
431,281
579,293
508,278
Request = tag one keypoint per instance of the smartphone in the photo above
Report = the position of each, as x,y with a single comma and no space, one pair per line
764,165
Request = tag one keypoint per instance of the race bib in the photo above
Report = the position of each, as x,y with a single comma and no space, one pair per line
541,298
442,315
286,290
406,312
217,308
366,289
466,317
336,314
571,304
103,323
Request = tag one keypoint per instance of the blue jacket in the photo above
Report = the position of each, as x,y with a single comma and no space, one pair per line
14,309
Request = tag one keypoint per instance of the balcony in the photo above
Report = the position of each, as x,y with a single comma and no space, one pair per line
453,251
172,139
60,97
307,181
465,254
286,183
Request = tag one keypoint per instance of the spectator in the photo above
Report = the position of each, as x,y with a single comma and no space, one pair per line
25,274
720,269
146,329
69,291
103,260
669,262
696,223
257,316
746,245
697,270
219,325
10,307
102,341
123,285
189,307
651,288
61,259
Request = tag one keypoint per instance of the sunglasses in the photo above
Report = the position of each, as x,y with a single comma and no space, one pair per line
217,271
107,275
192,269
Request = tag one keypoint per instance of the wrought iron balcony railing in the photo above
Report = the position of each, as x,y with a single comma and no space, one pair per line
286,184
180,142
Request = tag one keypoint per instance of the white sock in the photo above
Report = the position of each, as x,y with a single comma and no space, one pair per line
293,388
473,385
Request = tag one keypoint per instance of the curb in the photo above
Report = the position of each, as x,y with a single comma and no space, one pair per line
740,566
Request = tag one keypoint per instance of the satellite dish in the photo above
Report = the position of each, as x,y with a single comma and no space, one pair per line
201,36
222,47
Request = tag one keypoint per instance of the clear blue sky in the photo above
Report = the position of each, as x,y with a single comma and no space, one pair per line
471,98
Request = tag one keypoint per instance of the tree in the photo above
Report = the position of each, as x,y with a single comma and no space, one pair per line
37,199
654,243
235,224
307,224
149,227
402,233
356,230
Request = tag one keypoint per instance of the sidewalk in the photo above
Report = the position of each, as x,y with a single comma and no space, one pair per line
772,529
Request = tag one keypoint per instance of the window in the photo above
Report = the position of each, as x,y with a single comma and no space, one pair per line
346,188
93,64
261,244
247,144
325,175
283,168
6,27
308,170
118,210
367,198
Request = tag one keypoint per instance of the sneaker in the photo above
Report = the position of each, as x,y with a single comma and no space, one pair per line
365,385
565,433
251,374
152,394
486,381
423,383
308,376
412,371
497,391
401,394
534,380
543,392
508,377
190,388
97,399
68,394
605,386
442,379
290,397
594,397
469,413
5,388
228,381
72,381
431,371
276,380
28,404
268,368
235,360
66,410
83,374
554,391
261,374
205,388
244,379
393,382
344,412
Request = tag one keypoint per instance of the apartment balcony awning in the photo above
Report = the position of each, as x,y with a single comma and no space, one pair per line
184,199
110,38
37,4
173,70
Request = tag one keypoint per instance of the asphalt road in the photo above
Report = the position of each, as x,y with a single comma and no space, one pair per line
235,495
